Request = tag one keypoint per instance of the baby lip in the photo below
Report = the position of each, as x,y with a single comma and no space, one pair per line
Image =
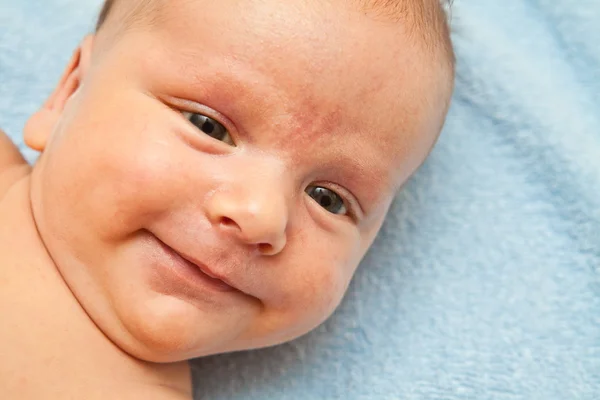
205,270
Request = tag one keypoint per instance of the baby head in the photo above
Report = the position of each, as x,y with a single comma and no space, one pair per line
212,173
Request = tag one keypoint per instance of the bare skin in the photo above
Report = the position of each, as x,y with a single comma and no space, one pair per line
131,193
50,348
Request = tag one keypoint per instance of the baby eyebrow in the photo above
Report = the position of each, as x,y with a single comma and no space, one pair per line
370,193
369,185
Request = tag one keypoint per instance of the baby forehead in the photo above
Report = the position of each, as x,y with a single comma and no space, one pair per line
322,67
317,43
359,91
424,20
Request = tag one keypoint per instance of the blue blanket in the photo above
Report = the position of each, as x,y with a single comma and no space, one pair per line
484,283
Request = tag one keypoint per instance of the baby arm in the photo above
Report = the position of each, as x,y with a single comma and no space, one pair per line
12,164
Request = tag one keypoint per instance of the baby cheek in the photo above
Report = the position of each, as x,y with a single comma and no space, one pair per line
322,279
322,293
136,188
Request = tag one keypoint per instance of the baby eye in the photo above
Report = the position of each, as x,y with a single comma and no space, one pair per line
211,127
328,199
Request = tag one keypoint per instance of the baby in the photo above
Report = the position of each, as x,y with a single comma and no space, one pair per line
211,174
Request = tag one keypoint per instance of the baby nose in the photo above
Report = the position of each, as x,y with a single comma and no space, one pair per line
257,218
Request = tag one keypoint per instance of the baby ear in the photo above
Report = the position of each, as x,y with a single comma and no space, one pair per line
41,124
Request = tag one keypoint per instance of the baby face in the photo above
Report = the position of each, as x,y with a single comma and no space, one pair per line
214,179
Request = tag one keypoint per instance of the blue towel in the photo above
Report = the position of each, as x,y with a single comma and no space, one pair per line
484,281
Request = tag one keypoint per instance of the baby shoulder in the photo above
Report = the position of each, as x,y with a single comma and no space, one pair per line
12,164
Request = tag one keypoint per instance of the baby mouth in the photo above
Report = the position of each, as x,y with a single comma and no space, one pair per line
208,275
198,269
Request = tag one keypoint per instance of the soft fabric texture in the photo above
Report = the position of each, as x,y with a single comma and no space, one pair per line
484,281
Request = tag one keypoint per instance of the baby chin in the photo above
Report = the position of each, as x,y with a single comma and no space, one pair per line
172,313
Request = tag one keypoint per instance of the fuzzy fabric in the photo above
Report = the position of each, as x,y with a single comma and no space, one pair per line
484,281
